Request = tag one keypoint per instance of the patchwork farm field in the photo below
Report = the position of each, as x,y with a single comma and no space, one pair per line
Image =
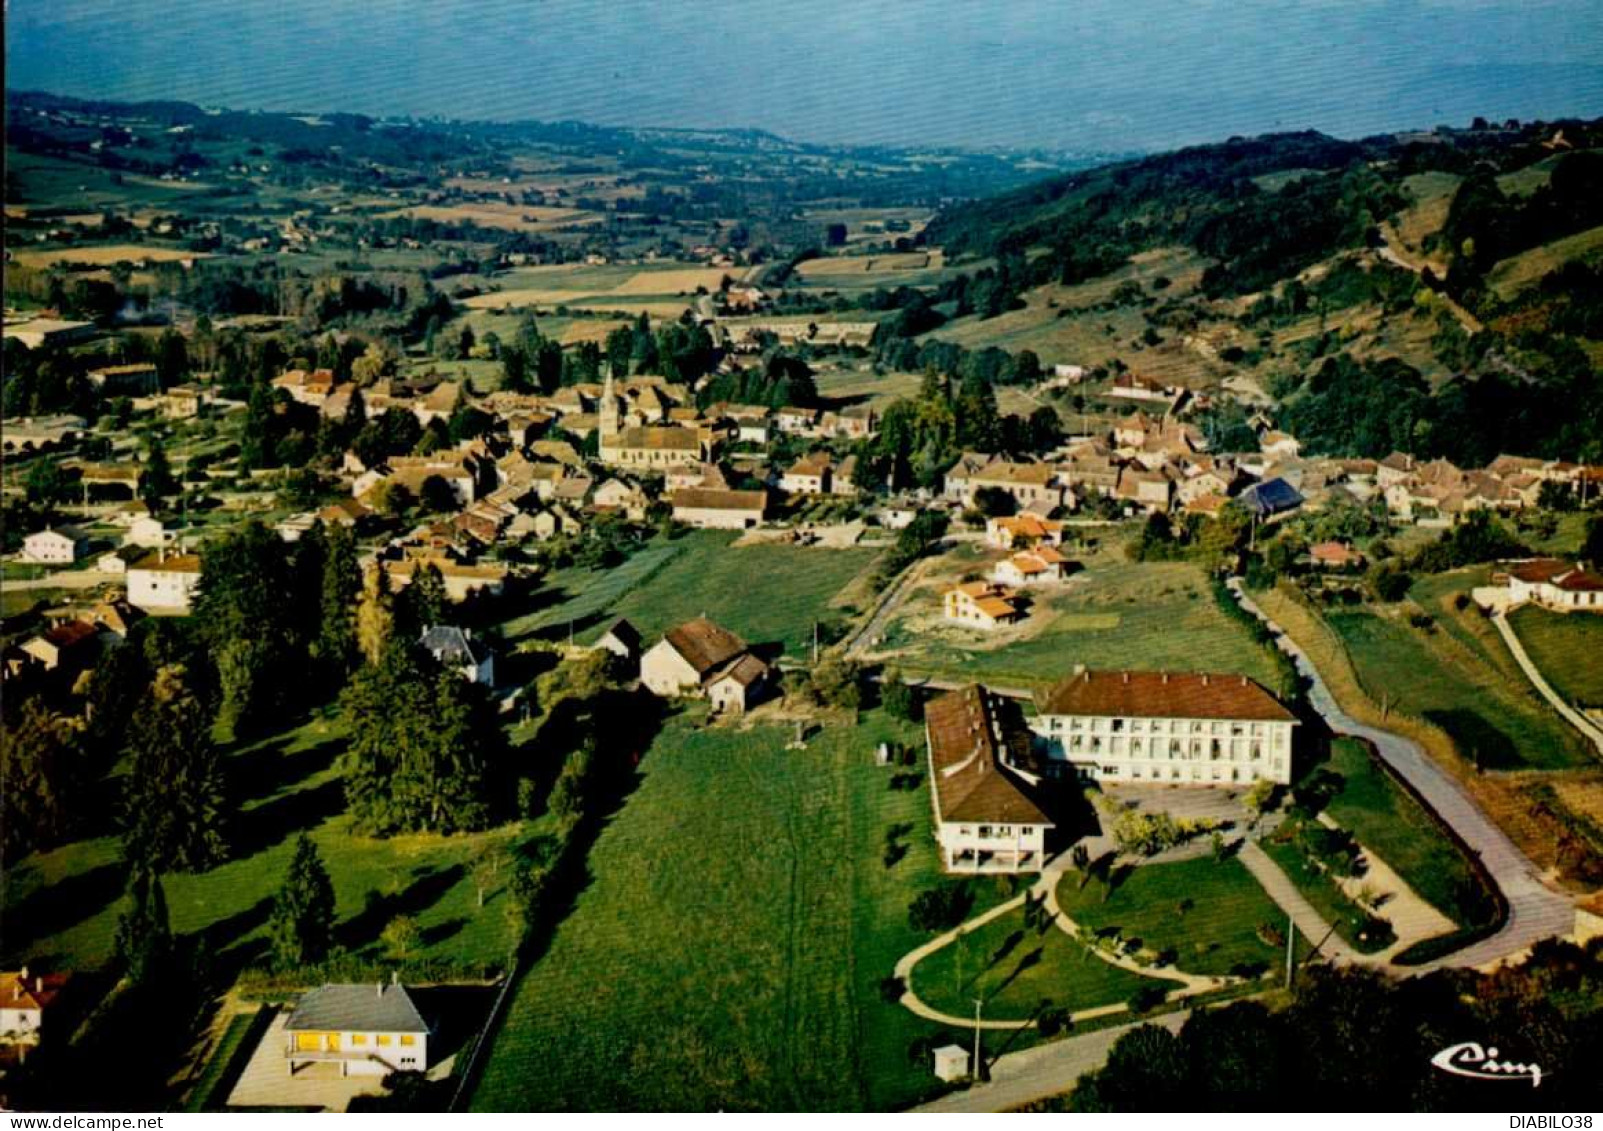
1567,650
728,952
1115,614
106,255
658,291
510,217
769,593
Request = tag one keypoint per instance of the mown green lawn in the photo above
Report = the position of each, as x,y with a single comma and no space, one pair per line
1432,674
1320,890
768,594
1117,614
1013,969
729,948
1567,649
1387,820
1204,912
61,907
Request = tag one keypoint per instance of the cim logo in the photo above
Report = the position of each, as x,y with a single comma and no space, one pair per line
1471,1060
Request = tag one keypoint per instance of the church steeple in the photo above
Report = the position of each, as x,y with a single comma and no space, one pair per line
608,411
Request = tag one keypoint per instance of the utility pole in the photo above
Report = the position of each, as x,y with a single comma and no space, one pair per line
976,1072
1291,947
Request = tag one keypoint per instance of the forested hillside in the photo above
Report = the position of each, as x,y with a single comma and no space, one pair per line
1438,292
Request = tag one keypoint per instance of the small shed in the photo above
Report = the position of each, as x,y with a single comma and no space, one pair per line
622,640
951,1062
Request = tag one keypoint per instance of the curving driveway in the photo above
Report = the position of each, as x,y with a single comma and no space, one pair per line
1534,911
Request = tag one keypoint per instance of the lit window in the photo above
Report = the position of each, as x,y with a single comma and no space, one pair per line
408,1039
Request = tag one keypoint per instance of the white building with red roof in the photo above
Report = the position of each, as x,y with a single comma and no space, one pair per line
1192,728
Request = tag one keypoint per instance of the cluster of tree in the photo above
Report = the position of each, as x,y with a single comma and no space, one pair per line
780,380
424,749
1352,1032
919,438
1483,225
1480,537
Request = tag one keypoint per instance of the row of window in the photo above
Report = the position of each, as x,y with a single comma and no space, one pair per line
1059,723
994,830
1156,773
383,1039
1236,749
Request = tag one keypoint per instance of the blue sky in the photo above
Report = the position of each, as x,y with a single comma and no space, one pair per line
1071,74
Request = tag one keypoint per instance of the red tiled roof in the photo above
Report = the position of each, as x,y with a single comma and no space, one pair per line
703,644
971,782
1190,695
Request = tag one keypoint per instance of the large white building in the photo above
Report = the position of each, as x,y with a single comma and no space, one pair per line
1174,728
1555,583
164,583
981,785
61,545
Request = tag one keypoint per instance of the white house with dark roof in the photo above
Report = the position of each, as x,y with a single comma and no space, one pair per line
1553,583
368,1030
457,650
60,545
1190,728
702,658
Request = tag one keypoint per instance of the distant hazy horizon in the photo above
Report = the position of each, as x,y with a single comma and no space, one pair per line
1095,75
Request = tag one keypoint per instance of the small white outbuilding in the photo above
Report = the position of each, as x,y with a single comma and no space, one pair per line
951,1062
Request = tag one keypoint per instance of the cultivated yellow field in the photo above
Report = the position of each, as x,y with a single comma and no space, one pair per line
870,264
105,255
673,281
510,217
616,287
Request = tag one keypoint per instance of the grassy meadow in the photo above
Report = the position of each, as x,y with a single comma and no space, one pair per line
769,593
1388,820
1433,674
1013,969
729,949
1566,649
1114,614
1204,913
61,907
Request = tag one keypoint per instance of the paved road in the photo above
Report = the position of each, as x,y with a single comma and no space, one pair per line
1579,721
1285,894
67,579
1046,1070
1534,911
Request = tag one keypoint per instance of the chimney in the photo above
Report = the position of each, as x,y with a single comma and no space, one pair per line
1126,677
1165,677
380,988
1205,679
395,977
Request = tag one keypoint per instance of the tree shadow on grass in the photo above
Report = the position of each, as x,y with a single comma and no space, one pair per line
439,932
273,822
1030,959
380,908
55,907
1478,738
267,770
225,942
